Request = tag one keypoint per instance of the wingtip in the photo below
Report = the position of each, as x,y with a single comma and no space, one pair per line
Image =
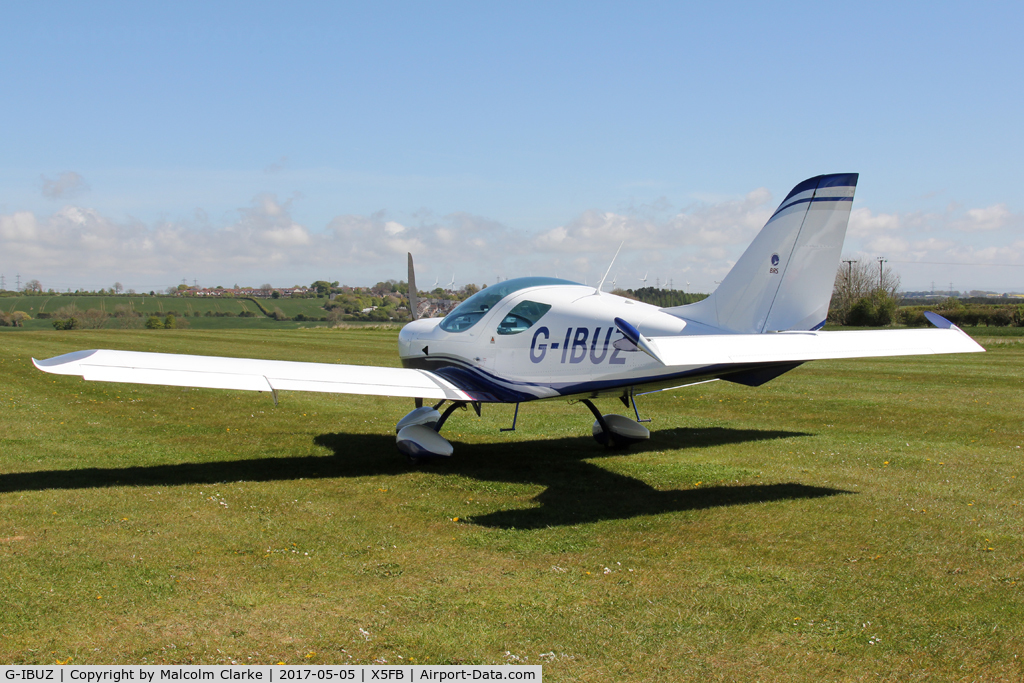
61,365
943,324
938,321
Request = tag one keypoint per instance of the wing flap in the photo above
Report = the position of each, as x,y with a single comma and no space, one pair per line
249,374
789,347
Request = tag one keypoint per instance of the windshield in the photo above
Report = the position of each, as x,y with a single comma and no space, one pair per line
475,307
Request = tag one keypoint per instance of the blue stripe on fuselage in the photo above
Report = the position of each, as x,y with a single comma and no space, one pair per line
488,388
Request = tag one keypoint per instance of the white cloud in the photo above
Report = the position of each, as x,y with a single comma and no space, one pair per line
888,244
932,244
864,223
79,246
66,185
18,227
956,245
990,218
725,223
78,243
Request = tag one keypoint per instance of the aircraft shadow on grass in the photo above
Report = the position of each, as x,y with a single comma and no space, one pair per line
576,491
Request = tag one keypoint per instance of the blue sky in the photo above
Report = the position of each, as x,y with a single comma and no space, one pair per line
247,143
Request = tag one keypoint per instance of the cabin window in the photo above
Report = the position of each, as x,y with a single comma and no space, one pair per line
522,317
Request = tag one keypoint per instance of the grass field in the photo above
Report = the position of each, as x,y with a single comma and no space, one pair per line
161,305
856,520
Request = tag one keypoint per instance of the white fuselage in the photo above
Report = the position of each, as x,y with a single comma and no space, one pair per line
570,350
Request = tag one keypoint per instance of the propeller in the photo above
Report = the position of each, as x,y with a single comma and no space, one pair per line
414,299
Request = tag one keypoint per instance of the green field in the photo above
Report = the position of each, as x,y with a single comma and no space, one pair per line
855,520
161,305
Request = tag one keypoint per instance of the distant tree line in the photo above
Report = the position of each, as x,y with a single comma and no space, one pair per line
965,314
124,317
662,298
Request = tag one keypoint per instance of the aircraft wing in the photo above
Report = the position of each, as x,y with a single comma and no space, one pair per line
250,374
795,347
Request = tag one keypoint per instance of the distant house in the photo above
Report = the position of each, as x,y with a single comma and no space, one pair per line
246,291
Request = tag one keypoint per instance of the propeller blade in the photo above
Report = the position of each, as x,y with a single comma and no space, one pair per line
414,298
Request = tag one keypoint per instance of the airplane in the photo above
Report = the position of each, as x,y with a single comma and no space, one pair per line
540,338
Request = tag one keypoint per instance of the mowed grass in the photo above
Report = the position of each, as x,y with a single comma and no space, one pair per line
161,305
855,520
148,305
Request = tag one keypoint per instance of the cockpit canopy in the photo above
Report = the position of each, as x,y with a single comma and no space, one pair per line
469,312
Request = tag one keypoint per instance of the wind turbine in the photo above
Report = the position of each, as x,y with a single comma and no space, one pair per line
644,279
451,285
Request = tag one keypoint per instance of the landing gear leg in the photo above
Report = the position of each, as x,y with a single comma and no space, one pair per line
450,409
603,437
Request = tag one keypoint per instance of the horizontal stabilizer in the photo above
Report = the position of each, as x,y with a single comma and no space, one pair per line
250,374
798,347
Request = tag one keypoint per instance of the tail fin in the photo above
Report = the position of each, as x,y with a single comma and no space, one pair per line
784,279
